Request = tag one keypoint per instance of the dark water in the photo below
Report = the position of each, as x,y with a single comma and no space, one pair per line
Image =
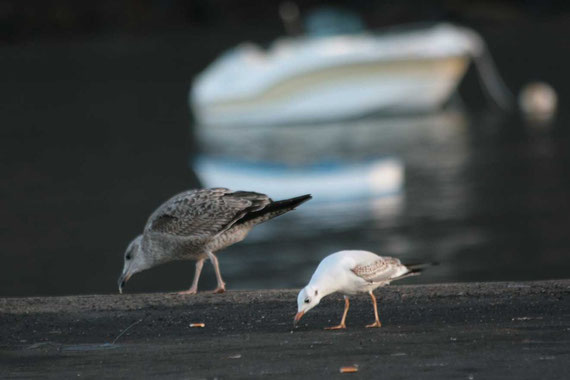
487,201
96,133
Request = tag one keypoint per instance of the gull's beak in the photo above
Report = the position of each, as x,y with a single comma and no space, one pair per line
298,317
122,281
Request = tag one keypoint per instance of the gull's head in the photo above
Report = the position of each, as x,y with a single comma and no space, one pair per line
308,298
134,261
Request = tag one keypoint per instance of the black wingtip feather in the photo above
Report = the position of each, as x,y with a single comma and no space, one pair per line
286,204
293,202
421,265
277,207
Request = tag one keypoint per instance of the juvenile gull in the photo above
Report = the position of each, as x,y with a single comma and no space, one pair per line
352,272
195,224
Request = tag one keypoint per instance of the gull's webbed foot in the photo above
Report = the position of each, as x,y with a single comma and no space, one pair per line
189,291
375,324
220,289
337,327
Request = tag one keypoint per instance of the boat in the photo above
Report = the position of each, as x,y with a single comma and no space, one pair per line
312,79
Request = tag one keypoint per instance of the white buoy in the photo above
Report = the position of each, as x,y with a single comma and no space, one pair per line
538,102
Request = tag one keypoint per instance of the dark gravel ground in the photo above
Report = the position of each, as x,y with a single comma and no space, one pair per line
455,331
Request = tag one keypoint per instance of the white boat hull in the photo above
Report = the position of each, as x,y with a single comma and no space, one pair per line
307,80
344,92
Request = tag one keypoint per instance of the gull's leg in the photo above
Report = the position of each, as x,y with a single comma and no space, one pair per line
194,288
376,319
341,325
221,284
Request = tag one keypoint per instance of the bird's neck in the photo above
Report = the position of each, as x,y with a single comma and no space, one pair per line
154,252
325,285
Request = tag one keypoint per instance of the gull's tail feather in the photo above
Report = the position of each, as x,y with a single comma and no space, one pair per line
411,273
420,266
415,269
274,209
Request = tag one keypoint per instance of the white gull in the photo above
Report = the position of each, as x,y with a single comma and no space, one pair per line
349,273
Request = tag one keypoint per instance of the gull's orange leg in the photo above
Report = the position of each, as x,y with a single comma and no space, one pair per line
376,319
194,288
341,325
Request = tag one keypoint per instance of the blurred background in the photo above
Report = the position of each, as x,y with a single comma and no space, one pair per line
429,131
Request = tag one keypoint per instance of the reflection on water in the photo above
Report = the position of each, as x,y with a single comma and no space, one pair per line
355,170
348,141
329,182
447,201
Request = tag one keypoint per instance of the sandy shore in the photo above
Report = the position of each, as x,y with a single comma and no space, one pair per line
470,331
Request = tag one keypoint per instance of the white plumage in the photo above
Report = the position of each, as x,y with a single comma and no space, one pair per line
349,273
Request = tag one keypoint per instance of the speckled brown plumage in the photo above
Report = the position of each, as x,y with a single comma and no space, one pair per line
193,225
203,214
383,269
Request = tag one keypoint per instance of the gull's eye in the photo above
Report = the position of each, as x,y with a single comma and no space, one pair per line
128,257
307,300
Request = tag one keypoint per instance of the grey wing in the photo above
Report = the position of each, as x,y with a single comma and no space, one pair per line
383,269
204,213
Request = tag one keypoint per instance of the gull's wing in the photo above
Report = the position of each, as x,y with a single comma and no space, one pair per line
383,269
204,214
